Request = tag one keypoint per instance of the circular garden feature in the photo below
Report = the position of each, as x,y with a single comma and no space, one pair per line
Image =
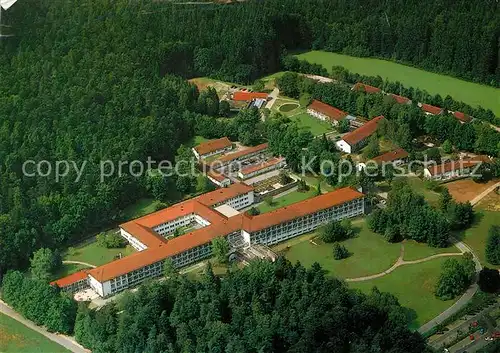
288,107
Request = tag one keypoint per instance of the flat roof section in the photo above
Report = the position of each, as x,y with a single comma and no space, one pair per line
227,211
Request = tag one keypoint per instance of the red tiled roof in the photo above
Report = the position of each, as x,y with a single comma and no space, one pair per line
224,227
145,235
213,145
400,99
462,117
362,132
451,166
248,96
217,196
391,156
169,248
216,176
303,208
73,278
233,156
325,109
431,109
259,166
367,88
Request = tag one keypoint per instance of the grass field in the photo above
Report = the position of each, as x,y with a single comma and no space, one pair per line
316,126
415,251
413,285
141,208
419,187
288,107
68,269
371,254
286,200
96,255
313,181
195,141
477,235
17,338
468,92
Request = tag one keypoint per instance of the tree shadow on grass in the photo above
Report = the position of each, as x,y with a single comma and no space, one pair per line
460,234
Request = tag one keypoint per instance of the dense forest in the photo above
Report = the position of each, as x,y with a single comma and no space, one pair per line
97,80
265,307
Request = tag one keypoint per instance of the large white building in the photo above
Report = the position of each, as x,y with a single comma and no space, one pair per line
450,170
150,235
212,147
261,168
325,112
357,139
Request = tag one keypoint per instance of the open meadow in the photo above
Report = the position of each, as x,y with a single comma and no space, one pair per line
371,254
17,338
471,93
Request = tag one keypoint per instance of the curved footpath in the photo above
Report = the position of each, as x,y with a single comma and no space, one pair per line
461,302
401,262
464,299
70,262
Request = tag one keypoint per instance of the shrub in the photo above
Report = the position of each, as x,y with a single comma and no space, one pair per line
340,252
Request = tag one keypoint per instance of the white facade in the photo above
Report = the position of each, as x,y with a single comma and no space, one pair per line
223,182
238,202
344,146
212,153
238,239
136,244
447,175
170,227
99,287
261,171
322,117
305,224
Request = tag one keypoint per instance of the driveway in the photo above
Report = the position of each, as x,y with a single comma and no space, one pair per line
273,95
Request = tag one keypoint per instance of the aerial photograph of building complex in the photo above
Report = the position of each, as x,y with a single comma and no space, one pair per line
256,176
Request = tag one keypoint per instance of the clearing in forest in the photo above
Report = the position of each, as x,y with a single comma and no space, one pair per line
471,93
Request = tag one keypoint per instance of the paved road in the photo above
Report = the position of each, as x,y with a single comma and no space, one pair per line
473,346
464,299
64,341
463,327
482,195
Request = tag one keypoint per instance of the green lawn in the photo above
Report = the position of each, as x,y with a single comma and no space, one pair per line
17,338
195,141
286,200
68,269
371,254
415,251
477,235
414,286
96,255
288,107
312,180
418,186
316,126
468,92
141,208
